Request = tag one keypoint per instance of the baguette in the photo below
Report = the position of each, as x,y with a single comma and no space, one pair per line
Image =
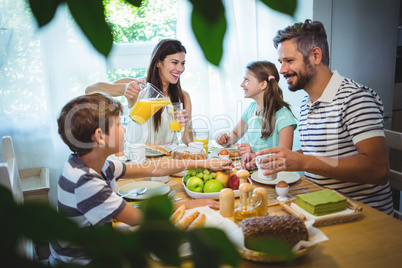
198,222
178,214
184,223
156,148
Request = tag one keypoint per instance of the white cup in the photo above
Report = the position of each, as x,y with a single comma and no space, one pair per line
136,152
196,147
163,179
261,170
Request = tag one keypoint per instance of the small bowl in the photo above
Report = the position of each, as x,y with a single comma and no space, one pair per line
282,193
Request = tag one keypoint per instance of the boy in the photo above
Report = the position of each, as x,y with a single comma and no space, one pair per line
90,126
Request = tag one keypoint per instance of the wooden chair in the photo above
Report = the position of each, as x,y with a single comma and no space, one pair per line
394,141
10,178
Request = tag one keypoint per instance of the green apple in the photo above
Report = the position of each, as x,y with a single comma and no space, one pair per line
223,178
195,184
213,186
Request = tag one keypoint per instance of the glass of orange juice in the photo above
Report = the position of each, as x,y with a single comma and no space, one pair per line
174,111
150,100
202,135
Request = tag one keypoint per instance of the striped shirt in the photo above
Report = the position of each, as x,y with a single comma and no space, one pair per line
345,114
89,199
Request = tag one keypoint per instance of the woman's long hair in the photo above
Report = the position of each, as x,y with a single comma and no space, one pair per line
164,48
273,96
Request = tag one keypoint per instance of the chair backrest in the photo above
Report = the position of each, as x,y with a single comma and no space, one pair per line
14,176
394,140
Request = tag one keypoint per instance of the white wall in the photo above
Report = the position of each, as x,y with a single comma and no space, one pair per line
363,36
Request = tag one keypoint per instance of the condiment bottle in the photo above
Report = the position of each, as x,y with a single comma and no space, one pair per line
226,202
242,174
246,208
262,208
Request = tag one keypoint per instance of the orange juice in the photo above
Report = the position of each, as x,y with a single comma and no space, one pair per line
175,125
204,140
145,108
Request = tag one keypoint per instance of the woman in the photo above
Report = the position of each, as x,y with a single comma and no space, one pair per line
268,122
167,64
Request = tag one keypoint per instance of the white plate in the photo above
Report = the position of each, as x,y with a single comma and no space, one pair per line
288,177
208,195
168,148
154,188
215,152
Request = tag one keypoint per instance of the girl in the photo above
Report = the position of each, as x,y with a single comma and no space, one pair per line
267,122
167,64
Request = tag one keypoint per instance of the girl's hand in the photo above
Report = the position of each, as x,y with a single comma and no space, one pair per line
244,148
219,164
223,139
133,89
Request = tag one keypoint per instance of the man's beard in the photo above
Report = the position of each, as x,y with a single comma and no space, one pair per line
303,78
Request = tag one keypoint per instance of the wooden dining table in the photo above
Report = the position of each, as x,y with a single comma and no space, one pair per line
372,240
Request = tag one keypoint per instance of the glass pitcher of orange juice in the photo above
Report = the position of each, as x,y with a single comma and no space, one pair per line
150,100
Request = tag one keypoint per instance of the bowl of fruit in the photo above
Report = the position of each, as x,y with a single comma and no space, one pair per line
205,183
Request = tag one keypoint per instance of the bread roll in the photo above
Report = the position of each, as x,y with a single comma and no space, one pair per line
198,222
287,228
178,214
185,222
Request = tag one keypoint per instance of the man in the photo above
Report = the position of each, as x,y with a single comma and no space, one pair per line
341,131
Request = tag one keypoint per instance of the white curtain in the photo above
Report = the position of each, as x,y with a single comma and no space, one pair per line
42,70
217,98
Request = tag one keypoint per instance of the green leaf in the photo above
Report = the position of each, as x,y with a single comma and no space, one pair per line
90,16
212,248
283,6
272,247
136,3
44,10
209,28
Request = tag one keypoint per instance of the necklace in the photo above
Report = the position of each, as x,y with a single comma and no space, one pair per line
259,112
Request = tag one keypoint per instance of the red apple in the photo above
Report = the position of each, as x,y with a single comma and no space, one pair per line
223,178
234,182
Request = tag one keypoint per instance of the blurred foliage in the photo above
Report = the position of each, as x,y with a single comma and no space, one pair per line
108,246
208,21
150,22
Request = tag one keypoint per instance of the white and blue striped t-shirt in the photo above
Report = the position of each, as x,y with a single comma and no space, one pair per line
88,198
345,114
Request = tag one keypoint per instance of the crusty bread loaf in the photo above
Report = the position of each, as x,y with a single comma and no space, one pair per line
185,222
288,228
155,148
178,214
186,155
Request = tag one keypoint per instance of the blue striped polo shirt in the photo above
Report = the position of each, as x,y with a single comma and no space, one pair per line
88,198
345,114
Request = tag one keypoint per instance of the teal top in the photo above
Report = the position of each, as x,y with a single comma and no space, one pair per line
283,118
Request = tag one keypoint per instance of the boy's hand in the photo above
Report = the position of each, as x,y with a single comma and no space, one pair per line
223,139
219,164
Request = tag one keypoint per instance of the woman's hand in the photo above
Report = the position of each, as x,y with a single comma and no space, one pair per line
218,164
223,139
244,148
133,89
183,115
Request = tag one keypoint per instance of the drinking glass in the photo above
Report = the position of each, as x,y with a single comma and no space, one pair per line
202,135
150,100
175,115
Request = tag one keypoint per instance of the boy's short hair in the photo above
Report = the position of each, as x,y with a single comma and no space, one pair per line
81,116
